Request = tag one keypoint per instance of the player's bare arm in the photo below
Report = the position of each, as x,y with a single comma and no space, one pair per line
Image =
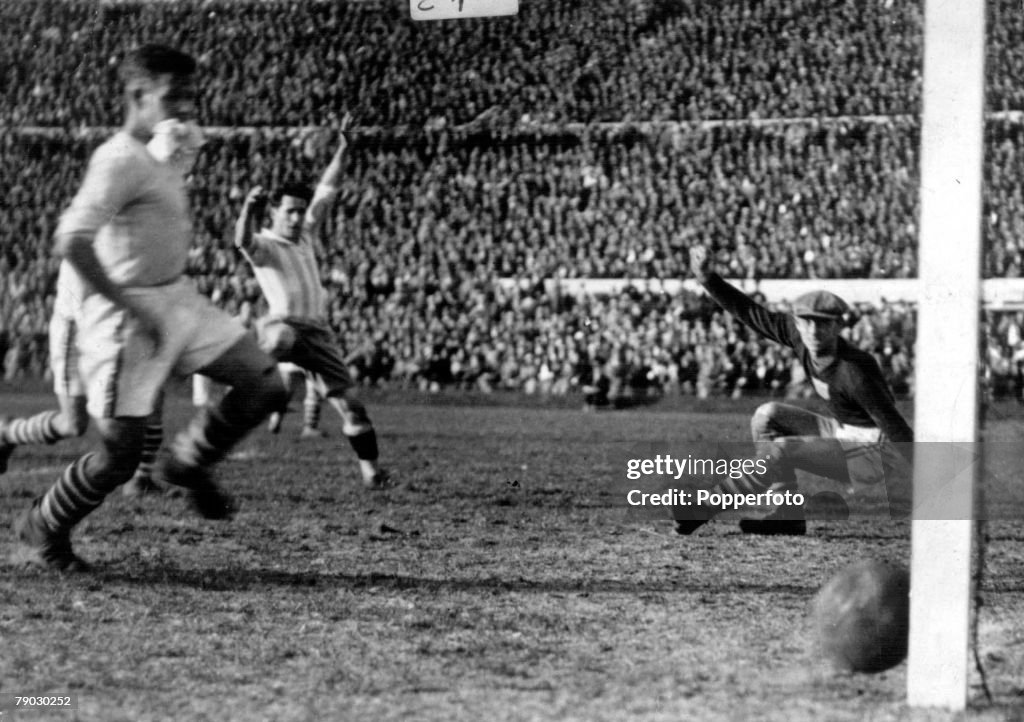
248,220
329,179
79,252
332,173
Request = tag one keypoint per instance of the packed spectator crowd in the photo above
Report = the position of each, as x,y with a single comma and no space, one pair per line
557,61
521,149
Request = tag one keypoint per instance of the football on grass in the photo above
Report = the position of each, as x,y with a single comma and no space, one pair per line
862,617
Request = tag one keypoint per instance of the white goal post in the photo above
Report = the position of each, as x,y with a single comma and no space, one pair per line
946,398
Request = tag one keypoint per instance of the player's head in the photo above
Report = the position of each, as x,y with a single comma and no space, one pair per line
820,316
288,206
159,83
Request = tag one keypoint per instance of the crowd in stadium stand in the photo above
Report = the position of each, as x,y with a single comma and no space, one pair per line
294,63
478,157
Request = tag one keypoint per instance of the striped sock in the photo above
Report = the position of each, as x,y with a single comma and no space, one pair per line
72,498
38,429
311,412
150,447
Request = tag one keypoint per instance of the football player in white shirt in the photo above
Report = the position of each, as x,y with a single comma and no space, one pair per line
127,234
174,143
284,261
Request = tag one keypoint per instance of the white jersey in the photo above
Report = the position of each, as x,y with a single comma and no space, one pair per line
288,273
137,210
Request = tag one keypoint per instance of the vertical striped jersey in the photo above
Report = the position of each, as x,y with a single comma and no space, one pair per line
288,273
136,209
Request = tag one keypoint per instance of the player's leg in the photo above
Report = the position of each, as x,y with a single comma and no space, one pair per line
311,406
276,339
256,390
43,531
142,482
361,436
819,455
854,458
122,377
289,376
773,420
46,427
788,438
789,434
202,390
792,438
217,345
314,349
71,419
783,456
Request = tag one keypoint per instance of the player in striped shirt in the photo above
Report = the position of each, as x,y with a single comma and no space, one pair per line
284,261
862,441
127,234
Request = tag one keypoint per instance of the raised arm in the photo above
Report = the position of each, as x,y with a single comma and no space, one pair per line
248,220
778,327
327,186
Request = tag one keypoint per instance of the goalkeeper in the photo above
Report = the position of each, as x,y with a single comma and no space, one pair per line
853,444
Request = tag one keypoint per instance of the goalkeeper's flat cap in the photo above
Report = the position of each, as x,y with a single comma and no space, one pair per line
821,304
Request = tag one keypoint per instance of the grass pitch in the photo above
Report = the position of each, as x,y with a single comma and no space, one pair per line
499,581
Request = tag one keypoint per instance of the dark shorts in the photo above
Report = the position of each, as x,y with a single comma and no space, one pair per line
315,350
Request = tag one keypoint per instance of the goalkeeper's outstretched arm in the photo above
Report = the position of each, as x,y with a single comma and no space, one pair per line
778,327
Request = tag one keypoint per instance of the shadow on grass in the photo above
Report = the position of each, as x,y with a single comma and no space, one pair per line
238,579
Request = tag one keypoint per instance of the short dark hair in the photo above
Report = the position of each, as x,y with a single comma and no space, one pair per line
152,59
295,190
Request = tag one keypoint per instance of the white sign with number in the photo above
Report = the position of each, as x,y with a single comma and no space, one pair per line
455,9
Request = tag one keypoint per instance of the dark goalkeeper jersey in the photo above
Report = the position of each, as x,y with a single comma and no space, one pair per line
852,386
